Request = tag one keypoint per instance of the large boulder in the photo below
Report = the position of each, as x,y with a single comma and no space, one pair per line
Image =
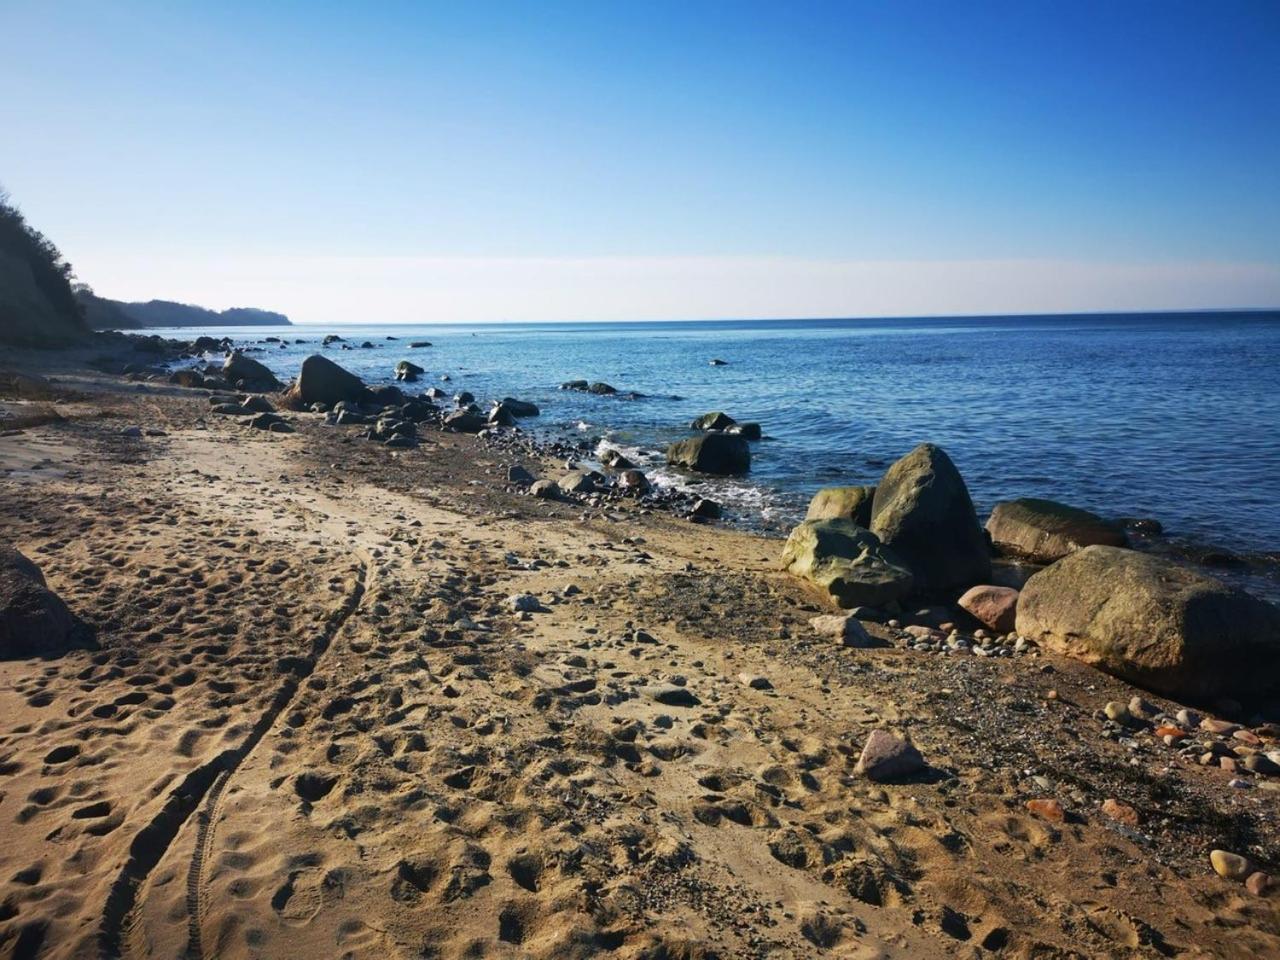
248,373
851,503
718,453
921,509
1155,623
848,562
465,421
1043,531
322,381
34,622
520,408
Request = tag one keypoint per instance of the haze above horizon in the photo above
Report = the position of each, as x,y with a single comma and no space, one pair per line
600,161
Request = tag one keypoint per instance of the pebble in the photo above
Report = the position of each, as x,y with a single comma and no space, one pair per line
1230,866
131,432
754,681
1257,883
1117,711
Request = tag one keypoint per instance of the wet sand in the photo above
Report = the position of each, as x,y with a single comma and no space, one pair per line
314,725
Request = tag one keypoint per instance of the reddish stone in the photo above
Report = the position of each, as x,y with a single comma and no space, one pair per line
1120,812
994,607
1257,883
1047,809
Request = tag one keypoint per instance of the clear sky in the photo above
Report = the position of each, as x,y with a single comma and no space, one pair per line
466,161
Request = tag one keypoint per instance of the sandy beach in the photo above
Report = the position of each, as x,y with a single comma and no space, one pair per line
312,722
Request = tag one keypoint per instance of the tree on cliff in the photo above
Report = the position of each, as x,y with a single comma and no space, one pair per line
37,303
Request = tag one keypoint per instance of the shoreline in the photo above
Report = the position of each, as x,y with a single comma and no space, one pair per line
312,642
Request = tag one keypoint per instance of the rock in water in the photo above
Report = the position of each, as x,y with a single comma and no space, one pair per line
248,372
922,511
322,381
993,607
34,622
1043,531
408,371
718,453
713,421
851,503
887,757
850,563
1155,623
520,408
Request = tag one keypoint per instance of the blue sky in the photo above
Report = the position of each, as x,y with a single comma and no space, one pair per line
470,161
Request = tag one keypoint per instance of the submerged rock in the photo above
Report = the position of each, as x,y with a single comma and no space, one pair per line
849,503
922,510
1155,623
1043,531
713,421
848,562
716,453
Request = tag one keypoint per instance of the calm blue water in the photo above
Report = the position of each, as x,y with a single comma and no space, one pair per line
1175,417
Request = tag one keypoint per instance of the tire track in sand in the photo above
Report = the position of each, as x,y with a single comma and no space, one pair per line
205,785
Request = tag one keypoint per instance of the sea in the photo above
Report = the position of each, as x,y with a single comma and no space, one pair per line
1171,416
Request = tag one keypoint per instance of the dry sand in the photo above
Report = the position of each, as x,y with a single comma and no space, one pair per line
314,727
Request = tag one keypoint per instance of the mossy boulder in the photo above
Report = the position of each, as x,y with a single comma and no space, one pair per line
922,510
851,503
716,453
1155,623
848,562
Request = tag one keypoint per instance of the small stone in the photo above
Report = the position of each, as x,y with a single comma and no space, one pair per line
844,628
1230,866
1257,883
754,681
886,757
1141,708
1247,737
524,603
131,432
1168,730
1223,728
1188,719
1117,711
1261,763
1120,812
1047,809
1229,764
